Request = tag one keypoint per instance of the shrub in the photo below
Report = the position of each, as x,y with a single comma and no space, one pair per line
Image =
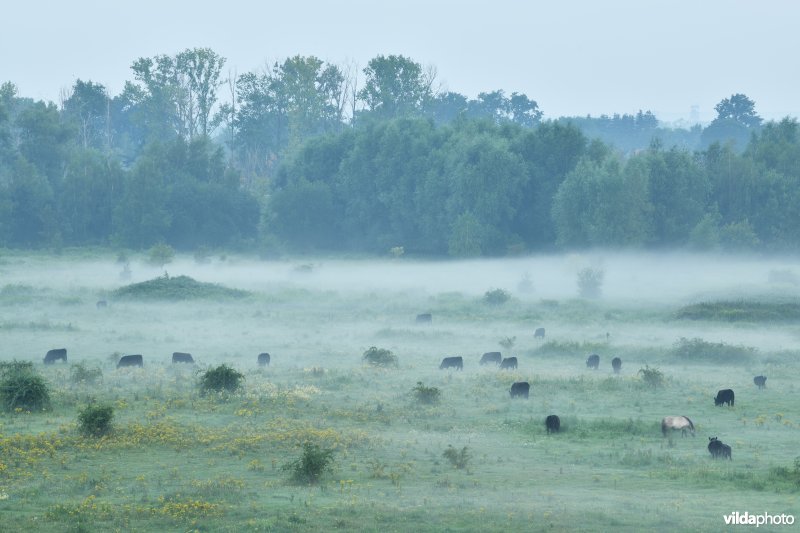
426,395
380,357
312,464
79,373
590,282
160,255
457,458
95,420
652,376
221,378
508,342
21,387
496,297
719,352
176,288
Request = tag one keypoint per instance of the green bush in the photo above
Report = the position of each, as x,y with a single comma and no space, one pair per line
698,349
590,282
653,377
426,395
496,297
221,378
380,357
79,373
160,255
22,388
457,458
95,420
312,464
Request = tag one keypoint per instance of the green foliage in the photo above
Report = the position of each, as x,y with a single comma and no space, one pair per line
590,282
380,357
508,343
220,379
94,420
176,288
22,388
426,395
719,352
741,311
79,373
496,296
652,377
457,458
160,255
312,464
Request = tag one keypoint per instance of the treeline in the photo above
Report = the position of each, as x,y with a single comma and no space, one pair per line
313,156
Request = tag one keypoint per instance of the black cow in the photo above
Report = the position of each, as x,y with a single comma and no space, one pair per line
508,363
452,362
101,304
424,318
724,396
718,449
553,424
539,333
130,360
491,357
520,388
58,354
263,359
760,381
593,361
616,364
182,357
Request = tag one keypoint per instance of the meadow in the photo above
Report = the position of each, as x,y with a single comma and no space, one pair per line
476,460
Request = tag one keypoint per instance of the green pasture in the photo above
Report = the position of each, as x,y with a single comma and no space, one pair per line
177,460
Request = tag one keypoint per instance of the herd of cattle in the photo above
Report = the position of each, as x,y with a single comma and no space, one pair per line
520,389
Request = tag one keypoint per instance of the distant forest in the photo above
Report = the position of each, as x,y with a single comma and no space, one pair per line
309,156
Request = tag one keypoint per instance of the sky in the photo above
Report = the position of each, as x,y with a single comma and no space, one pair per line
574,58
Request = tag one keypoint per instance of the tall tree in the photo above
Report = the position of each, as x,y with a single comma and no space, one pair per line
395,86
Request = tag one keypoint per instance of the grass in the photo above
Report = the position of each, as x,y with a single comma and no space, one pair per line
176,288
178,460
741,311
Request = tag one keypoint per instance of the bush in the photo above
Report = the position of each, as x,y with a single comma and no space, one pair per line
160,255
496,297
697,349
221,378
310,467
79,373
653,377
426,395
176,288
95,420
380,357
22,388
590,282
457,458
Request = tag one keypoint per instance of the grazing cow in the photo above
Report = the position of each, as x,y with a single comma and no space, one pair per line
553,424
593,361
724,396
424,318
539,333
491,357
718,449
59,354
452,362
520,388
130,360
760,381
182,357
508,363
263,359
616,364
101,304
682,423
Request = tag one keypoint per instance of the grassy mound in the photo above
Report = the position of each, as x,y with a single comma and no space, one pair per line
179,288
736,311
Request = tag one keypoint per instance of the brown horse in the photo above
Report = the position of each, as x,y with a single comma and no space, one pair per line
674,423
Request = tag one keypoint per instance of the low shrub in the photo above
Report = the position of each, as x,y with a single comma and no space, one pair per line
80,374
496,297
457,458
95,420
739,311
221,379
22,388
718,352
653,377
426,395
380,357
311,465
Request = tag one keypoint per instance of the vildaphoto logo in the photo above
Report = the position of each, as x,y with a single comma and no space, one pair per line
746,519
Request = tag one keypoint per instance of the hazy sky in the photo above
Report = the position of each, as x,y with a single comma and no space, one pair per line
572,57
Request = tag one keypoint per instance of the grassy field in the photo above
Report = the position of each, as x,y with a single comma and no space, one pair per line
177,460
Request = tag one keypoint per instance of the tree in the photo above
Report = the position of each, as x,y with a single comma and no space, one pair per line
395,86
736,121
740,109
89,107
